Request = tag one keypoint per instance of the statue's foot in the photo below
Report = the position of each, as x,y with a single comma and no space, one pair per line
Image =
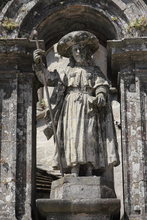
89,170
75,171
73,175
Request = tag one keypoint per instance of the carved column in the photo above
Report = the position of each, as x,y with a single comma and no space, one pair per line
129,59
17,129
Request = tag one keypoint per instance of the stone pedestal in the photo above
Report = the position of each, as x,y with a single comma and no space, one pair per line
73,188
79,198
17,129
129,61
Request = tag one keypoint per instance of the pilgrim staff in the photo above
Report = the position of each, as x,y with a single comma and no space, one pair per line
85,127
35,35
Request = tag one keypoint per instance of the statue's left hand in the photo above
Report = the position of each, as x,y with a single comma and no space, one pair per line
101,100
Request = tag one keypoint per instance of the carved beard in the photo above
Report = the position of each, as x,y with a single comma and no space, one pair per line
88,62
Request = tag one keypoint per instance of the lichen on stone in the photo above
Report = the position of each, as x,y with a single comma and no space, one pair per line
9,24
138,24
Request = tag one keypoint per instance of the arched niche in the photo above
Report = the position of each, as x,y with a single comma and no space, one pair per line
53,21
61,21
77,17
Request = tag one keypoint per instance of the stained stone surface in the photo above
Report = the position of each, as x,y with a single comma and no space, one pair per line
129,57
78,119
17,129
119,13
73,188
79,198
103,17
45,148
78,217
96,209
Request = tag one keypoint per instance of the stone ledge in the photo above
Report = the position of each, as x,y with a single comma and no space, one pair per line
73,188
17,54
128,42
123,53
100,206
18,46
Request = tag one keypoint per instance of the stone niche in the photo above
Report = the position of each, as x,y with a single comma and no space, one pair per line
56,208
45,148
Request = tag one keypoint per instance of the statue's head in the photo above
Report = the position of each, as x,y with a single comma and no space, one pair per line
79,45
79,53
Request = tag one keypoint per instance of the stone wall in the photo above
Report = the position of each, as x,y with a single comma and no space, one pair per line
17,129
108,20
129,58
53,19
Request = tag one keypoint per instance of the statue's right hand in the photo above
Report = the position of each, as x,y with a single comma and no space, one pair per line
37,55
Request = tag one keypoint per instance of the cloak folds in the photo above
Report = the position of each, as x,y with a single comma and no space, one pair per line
102,131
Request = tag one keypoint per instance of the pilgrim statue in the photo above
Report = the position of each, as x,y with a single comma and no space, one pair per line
82,114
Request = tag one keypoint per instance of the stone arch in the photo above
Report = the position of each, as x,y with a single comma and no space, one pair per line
53,20
108,19
74,18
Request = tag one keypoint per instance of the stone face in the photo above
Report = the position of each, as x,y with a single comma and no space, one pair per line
8,117
47,15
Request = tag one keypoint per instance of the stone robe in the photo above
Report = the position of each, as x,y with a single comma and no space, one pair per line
85,131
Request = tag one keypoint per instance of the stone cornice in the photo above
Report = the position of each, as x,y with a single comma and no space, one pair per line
17,54
127,47
127,52
18,46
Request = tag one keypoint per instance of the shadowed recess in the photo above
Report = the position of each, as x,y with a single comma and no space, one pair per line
71,19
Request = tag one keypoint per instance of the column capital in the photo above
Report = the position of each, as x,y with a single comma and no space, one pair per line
127,55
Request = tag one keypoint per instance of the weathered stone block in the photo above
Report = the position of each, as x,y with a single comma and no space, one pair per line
17,129
79,198
86,209
129,58
73,188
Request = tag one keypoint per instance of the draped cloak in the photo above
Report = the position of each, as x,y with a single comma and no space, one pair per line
85,132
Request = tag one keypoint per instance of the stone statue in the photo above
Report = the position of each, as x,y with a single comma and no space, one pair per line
83,115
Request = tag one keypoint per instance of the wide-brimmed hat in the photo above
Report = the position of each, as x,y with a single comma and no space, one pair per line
84,38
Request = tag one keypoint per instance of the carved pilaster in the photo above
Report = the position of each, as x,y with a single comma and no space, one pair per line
17,129
129,58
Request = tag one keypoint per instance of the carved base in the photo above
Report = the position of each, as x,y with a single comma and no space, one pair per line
72,188
79,198
100,209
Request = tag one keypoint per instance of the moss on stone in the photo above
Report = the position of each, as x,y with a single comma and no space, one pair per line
139,24
9,24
